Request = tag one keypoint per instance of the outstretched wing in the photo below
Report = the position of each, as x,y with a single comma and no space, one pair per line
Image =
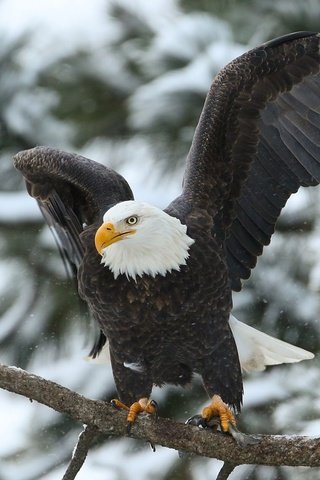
72,192
256,143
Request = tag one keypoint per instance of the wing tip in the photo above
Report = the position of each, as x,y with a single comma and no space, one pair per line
275,42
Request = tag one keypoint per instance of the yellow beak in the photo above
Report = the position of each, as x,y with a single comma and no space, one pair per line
107,234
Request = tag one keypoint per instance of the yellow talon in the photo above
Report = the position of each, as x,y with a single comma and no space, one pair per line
134,411
116,403
218,408
142,405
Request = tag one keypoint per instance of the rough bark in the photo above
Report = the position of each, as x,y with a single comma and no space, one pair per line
277,450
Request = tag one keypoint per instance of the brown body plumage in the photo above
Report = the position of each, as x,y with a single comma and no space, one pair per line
155,321
256,142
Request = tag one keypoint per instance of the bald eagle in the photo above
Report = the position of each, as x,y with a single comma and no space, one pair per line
159,282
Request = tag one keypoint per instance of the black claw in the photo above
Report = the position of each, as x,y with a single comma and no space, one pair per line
153,447
129,425
114,404
200,422
197,421
154,404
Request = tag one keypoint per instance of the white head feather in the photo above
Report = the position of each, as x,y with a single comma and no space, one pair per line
158,245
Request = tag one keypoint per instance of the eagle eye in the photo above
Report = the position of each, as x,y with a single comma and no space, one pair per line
132,220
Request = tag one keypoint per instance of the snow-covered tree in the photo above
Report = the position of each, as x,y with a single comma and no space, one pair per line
123,83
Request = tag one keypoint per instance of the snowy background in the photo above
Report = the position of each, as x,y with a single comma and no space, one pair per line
123,83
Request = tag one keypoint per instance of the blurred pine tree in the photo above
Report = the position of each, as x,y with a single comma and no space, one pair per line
140,93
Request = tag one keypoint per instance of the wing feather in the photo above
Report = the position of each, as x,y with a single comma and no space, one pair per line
72,192
256,143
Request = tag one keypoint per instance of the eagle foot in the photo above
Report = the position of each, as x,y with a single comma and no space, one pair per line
210,418
144,405
219,409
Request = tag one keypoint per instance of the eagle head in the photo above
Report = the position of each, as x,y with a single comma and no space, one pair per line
138,239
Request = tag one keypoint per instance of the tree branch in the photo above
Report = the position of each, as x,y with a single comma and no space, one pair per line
225,471
80,452
271,450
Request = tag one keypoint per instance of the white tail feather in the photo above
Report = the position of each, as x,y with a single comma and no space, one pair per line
257,349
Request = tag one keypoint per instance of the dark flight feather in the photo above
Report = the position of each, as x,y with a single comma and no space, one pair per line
256,143
72,191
